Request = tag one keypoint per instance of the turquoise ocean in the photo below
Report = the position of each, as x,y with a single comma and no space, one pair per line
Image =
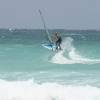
29,71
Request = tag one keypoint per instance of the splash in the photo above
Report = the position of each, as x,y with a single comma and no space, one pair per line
72,56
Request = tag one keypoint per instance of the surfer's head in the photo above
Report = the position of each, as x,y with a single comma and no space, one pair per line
56,33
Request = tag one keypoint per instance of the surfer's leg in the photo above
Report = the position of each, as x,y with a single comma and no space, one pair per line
57,46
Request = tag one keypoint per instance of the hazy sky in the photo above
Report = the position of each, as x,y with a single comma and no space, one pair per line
67,14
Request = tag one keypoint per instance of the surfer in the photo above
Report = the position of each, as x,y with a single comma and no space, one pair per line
57,40
54,40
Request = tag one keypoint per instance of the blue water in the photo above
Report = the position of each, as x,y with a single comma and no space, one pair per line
29,71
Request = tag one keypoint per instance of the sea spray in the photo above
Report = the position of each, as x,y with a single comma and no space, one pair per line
72,55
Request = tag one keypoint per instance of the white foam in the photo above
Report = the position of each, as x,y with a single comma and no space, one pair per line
28,90
72,56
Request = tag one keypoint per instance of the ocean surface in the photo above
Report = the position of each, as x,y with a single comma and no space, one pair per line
29,71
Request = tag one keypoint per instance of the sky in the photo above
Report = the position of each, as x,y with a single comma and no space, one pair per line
59,14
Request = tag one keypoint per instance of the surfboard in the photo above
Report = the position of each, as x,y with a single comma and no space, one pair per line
49,46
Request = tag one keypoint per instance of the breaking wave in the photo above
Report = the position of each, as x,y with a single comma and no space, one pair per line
29,90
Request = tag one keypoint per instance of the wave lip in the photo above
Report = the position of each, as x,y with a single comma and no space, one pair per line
72,56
